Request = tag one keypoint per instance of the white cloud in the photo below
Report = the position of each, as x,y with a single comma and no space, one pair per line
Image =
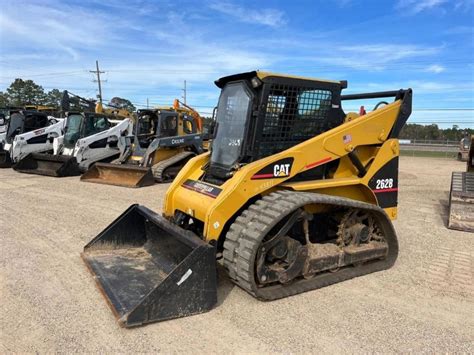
463,5
413,7
59,51
58,32
376,57
416,6
268,17
435,68
149,58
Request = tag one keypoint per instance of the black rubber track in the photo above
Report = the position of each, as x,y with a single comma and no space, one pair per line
246,233
159,168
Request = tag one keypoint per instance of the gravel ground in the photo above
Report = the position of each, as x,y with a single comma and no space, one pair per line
49,301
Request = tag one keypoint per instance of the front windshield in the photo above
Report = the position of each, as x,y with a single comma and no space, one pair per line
15,126
146,124
73,129
232,112
95,124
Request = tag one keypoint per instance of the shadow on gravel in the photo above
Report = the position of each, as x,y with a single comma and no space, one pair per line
443,211
224,285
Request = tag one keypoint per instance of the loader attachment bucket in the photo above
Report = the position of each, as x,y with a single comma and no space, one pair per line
119,175
151,270
5,160
48,164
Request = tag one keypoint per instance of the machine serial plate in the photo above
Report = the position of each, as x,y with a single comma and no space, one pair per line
202,188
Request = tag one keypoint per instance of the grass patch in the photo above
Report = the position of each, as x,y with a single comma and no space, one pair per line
428,154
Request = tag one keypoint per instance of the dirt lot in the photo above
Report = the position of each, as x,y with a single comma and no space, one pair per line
49,301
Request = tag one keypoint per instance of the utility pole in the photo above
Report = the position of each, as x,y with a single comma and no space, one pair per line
147,103
184,92
98,72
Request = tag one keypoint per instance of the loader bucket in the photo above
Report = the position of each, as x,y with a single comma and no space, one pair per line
5,160
151,270
119,175
48,164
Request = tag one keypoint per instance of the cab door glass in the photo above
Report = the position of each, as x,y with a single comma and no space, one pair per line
188,125
169,126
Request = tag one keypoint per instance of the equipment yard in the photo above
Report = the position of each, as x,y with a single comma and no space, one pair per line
50,302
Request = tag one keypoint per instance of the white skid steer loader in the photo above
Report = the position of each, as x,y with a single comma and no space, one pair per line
19,122
88,138
37,141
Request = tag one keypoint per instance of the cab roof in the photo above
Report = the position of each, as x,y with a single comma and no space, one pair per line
263,74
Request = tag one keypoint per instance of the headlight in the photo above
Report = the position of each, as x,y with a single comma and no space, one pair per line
2,121
256,82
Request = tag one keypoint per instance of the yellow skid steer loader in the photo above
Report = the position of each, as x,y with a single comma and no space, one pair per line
163,141
294,195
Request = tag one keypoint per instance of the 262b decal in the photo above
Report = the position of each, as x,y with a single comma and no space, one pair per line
384,184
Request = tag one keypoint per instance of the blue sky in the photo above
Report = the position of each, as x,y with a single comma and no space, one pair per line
148,48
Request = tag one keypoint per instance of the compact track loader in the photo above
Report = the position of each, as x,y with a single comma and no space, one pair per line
18,123
294,195
164,140
88,138
461,195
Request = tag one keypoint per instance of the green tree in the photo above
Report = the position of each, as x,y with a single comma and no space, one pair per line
53,98
4,101
119,102
22,92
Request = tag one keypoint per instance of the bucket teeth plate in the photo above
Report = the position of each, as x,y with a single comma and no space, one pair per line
150,270
5,161
48,164
119,175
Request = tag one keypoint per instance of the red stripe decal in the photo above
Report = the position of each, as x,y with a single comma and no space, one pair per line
262,176
197,190
385,190
316,163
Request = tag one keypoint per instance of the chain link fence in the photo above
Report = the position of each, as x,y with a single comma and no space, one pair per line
429,148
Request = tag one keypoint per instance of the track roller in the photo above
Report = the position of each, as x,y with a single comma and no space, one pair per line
277,248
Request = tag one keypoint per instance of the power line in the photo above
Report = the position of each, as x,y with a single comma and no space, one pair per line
401,64
184,92
98,72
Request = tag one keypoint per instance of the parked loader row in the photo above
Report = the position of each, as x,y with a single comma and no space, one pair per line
131,151
164,140
293,195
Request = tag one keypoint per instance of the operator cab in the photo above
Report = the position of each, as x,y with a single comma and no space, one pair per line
80,125
261,114
162,123
24,121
